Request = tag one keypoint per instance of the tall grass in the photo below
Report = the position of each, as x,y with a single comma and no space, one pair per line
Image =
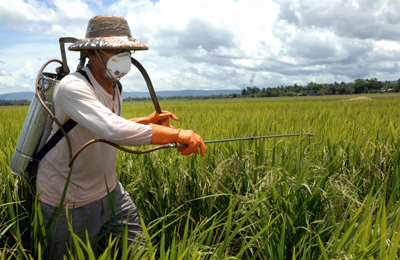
331,196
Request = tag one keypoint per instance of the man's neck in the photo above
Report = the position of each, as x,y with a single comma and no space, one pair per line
105,82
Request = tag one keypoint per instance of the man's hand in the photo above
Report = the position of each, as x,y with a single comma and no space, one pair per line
192,142
155,118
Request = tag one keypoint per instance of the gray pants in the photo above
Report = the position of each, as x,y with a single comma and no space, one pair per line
110,215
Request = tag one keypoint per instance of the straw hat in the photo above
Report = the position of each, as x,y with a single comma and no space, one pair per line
108,32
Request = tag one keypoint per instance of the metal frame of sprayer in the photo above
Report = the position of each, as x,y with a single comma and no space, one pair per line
40,117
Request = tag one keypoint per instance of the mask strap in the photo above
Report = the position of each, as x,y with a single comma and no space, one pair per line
103,61
108,56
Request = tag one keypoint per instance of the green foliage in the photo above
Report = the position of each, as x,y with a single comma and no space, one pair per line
331,196
315,89
4,102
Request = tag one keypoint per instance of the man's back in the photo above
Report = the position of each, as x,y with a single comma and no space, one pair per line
94,110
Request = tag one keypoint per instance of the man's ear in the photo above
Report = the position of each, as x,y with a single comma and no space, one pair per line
91,54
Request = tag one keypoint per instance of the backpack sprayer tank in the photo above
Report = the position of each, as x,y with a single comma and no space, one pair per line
33,134
38,122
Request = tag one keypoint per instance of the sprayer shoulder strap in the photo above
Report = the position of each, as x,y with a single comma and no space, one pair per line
67,126
83,73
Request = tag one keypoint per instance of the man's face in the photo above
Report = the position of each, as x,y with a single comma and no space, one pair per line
105,55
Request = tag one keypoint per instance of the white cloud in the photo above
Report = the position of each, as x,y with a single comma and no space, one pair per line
214,44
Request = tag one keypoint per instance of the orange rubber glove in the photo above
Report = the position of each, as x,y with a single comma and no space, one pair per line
164,135
155,118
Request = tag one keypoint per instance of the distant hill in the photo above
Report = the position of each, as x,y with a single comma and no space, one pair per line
183,93
17,96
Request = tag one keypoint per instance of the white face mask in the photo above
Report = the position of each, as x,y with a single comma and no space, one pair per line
119,65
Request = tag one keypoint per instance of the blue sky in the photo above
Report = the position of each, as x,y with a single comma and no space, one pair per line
213,44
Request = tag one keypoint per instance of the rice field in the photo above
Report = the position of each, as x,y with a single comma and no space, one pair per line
334,195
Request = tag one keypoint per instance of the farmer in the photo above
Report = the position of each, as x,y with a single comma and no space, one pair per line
96,201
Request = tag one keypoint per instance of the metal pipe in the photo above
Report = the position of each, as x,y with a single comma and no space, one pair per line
176,145
116,146
179,145
254,138
63,40
148,83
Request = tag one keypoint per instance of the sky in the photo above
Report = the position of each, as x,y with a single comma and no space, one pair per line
213,44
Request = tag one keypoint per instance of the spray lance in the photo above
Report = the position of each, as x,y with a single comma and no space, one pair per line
158,110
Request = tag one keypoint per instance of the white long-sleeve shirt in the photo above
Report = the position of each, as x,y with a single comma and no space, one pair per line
93,171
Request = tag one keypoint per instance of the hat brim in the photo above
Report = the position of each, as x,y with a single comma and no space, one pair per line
114,42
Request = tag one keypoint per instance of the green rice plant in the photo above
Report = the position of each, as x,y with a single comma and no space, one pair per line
331,196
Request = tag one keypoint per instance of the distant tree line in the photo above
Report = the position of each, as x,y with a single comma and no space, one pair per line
313,89
5,102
